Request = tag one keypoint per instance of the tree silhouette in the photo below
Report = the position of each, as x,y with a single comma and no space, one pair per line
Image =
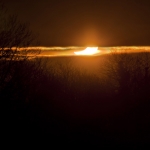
129,74
14,35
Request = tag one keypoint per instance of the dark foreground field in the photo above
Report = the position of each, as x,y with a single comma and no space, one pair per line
100,101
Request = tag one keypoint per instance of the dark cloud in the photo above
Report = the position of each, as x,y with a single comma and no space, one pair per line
86,22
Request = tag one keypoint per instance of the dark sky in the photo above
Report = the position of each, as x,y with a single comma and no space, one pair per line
86,22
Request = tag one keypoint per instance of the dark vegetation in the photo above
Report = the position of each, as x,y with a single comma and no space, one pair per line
71,104
102,100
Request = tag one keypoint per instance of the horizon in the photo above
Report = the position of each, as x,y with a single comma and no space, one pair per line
50,51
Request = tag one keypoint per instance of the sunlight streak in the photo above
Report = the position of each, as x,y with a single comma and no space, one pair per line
88,51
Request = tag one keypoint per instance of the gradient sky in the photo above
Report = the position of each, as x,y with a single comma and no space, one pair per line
86,22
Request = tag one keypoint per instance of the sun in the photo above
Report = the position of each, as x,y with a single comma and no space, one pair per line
88,51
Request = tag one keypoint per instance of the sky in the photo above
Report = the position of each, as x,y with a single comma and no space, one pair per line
86,22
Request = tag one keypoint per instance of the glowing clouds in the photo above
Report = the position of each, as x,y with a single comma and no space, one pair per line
88,51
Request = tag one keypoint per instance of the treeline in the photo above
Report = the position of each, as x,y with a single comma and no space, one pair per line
54,96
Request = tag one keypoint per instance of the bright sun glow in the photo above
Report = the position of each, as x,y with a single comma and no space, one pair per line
88,51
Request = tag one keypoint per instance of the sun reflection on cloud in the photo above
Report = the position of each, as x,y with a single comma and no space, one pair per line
88,51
